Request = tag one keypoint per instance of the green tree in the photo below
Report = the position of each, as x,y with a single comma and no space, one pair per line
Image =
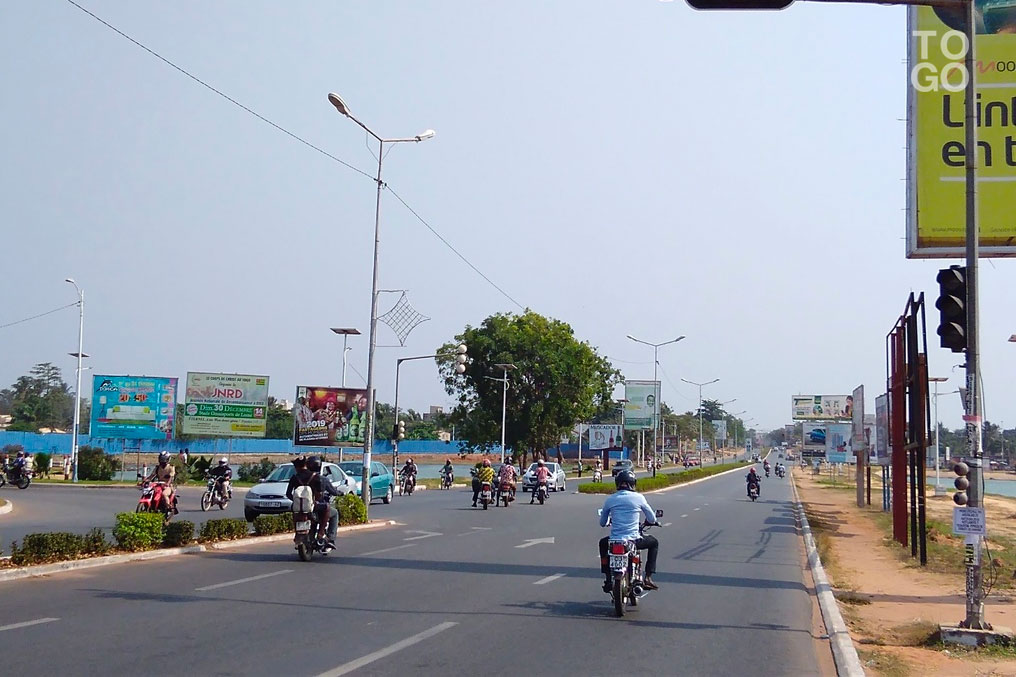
280,421
558,381
41,399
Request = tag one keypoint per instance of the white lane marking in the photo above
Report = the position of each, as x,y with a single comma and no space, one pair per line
378,552
426,534
667,524
388,651
533,541
243,580
475,530
25,624
697,508
548,579
685,515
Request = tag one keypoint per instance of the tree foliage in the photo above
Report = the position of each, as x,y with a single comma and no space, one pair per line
558,381
40,399
280,421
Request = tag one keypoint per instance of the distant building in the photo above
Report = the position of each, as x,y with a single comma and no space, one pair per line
434,411
5,420
444,436
285,404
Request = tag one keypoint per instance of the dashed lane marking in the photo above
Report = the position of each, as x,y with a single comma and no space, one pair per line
346,668
548,579
242,580
378,552
25,624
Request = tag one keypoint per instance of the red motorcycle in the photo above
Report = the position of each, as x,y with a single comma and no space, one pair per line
151,499
506,492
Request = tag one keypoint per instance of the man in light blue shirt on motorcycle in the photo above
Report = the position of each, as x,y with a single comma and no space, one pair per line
624,509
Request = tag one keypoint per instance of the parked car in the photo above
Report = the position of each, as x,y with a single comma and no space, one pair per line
623,464
555,478
382,481
268,497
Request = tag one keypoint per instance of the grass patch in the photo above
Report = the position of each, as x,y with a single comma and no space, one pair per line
661,480
886,663
850,597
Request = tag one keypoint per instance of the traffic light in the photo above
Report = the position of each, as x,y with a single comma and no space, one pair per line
460,358
400,431
740,4
952,305
961,483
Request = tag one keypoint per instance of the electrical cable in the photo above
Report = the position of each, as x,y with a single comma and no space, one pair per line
34,317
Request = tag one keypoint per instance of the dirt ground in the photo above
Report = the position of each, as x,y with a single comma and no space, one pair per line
892,605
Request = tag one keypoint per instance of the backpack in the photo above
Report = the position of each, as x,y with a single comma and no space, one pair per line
303,496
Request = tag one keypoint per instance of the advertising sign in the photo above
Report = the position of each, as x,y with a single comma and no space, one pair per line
882,429
641,408
604,437
837,445
229,405
329,417
133,407
936,188
814,435
822,407
968,521
720,425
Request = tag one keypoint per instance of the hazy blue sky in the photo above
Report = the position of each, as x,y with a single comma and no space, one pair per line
628,167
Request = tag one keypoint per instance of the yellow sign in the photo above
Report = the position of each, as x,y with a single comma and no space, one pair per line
936,188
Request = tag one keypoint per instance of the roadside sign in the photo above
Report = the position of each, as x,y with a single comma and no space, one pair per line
968,521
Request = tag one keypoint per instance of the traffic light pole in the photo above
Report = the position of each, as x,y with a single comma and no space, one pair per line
974,591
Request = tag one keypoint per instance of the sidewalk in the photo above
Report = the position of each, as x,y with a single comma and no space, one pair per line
891,604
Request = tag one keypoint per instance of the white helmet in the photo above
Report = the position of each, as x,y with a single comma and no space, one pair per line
223,461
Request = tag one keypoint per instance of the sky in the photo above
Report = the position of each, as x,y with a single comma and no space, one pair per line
629,168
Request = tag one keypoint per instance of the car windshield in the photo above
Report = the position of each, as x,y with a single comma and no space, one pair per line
281,474
353,468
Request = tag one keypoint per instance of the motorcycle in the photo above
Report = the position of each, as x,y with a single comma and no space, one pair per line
597,475
753,491
407,484
214,494
506,492
767,472
541,492
151,500
305,540
625,562
446,480
21,479
781,473
486,494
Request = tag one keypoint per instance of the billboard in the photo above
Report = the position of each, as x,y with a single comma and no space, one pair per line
822,407
936,187
604,437
882,429
720,426
133,407
859,442
837,443
814,435
329,417
641,408
228,405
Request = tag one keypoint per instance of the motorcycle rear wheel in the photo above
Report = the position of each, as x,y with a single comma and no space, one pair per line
618,596
141,508
23,483
304,551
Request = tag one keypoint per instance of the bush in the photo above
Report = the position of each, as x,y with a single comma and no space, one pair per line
266,525
661,480
178,534
224,529
252,472
58,546
95,464
199,467
42,463
11,450
351,510
139,530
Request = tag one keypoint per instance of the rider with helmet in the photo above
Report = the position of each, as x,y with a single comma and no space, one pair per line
507,475
540,477
309,473
624,508
409,470
485,473
448,470
751,479
165,473
223,474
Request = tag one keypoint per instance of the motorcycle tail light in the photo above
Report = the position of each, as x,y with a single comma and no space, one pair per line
617,549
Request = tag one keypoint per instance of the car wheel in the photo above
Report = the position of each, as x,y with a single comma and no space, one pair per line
388,495
249,514
564,486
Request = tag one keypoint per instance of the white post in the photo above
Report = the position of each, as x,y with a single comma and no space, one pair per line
77,390
504,411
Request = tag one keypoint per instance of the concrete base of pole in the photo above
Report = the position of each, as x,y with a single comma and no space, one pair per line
940,490
952,634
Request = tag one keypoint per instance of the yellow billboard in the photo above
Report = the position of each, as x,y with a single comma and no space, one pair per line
936,188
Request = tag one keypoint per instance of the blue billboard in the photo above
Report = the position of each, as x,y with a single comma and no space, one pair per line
133,407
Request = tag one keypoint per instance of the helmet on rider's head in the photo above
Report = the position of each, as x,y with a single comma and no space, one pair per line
299,462
163,457
409,461
223,461
313,464
625,480
486,463
21,454
540,462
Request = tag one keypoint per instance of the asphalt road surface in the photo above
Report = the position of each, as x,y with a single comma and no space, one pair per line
451,590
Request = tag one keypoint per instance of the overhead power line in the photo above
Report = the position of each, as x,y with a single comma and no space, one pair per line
35,317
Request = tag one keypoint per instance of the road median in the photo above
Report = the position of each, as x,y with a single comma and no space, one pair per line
666,481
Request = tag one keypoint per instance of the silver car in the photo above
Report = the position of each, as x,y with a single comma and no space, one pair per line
269,496
555,477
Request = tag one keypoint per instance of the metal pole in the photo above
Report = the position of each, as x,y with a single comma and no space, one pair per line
504,411
395,437
700,448
938,475
345,339
974,590
656,400
77,389
368,440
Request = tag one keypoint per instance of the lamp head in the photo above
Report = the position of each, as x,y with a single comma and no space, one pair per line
69,279
427,134
339,104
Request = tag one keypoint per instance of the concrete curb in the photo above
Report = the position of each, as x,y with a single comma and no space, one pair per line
126,486
701,479
73,565
6,507
848,664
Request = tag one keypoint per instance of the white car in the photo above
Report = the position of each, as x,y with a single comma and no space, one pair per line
555,477
269,496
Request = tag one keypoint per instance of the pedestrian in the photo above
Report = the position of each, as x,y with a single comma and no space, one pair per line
67,467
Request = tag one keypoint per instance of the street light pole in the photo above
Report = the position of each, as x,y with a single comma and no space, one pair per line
700,410
345,331
504,403
75,438
368,441
460,367
656,406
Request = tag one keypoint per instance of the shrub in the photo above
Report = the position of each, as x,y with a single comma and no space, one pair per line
43,548
178,534
95,464
42,463
95,542
252,472
199,467
351,510
224,529
266,525
11,450
139,530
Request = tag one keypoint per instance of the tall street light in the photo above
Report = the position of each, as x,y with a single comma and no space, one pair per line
368,440
700,407
735,425
77,389
504,401
656,364
345,331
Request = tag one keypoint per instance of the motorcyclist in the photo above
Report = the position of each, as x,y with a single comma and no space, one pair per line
752,478
223,474
624,508
540,476
507,475
164,472
18,467
448,470
485,473
308,472
409,470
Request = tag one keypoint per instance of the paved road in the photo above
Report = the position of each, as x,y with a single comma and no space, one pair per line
427,594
